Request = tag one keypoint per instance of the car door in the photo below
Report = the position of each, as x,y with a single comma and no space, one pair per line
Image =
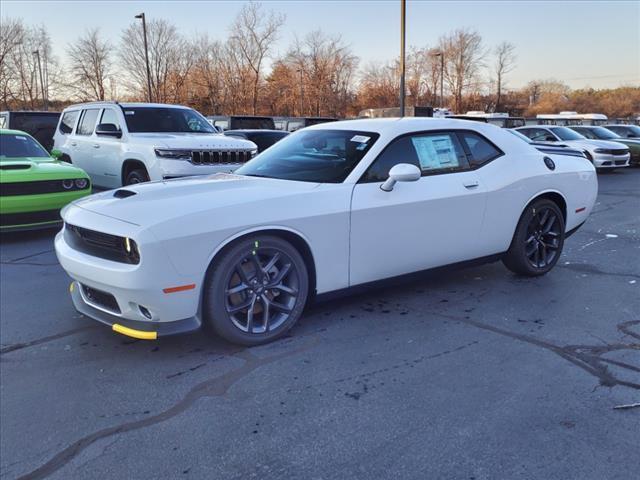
427,223
106,151
83,143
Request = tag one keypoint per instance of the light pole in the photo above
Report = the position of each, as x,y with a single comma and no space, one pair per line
146,52
441,55
44,97
301,93
403,11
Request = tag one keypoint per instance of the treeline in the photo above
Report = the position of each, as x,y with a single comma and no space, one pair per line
318,74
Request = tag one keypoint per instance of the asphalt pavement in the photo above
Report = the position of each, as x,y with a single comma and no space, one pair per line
470,374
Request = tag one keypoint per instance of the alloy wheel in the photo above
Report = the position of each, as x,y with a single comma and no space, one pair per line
262,290
543,237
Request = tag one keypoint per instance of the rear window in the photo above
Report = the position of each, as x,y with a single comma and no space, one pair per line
482,151
68,122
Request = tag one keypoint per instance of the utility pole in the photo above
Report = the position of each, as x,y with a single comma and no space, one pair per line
44,97
403,11
441,55
146,53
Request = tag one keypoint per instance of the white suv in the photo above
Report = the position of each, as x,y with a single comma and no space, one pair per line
123,143
603,154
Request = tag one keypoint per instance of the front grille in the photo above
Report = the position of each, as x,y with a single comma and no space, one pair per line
619,152
217,157
16,219
37,188
103,245
101,299
620,162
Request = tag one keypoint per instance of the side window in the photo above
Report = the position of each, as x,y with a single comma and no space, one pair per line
68,121
430,152
110,116
88,121
539,135
482,151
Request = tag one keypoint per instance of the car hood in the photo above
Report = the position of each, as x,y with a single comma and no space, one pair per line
156,202
192,141
38,168
593,144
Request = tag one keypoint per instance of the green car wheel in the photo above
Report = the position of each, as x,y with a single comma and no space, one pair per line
34,186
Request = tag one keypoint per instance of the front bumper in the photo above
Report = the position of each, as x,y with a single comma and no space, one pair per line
144,330
142,296
610,161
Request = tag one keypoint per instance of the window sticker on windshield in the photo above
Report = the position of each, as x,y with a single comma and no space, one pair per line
129,112
360,139
435,152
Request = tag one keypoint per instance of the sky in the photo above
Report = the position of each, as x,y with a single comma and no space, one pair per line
582,43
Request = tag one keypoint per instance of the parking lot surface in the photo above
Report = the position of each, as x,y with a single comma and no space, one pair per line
469,374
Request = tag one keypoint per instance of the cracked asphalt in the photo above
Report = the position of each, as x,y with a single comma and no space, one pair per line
471,374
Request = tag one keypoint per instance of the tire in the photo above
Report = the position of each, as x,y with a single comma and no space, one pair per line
235,290
537,243
137,175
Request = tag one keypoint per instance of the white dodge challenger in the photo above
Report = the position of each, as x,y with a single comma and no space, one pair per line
327,208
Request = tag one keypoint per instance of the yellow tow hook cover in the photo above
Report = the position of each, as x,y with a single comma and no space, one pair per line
130,332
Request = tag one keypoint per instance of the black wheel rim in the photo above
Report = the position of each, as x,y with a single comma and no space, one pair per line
543,237
262,290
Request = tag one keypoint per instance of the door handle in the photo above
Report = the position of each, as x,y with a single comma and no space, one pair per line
73,144
473,184
95,145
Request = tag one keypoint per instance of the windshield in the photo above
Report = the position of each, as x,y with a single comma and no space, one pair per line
566,133
240,123
599,133
324,156
166,120
16,146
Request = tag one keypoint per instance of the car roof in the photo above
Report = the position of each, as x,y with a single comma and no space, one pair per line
402,125
6,131
124,105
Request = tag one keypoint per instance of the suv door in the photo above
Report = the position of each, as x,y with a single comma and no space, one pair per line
83,145
428,223
106,155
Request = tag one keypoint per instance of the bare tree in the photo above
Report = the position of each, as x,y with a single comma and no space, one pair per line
171,58
90,65
253,35
12,34
464,56
505,63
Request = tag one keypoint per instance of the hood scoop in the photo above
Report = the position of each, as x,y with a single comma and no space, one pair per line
123,193
16,166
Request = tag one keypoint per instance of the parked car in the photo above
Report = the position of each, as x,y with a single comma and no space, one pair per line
33,185
239,122
603,154
549,147
262,138
502,121
40,125
601,133
292,124
625,131
125,143
329,207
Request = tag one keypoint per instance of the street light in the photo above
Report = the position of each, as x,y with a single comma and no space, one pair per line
44,97
441,55
403,11
146,52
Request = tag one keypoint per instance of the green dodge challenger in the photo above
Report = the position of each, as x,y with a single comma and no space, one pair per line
34,186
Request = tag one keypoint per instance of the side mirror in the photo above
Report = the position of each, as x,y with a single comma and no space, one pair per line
402,172
108,130
57,154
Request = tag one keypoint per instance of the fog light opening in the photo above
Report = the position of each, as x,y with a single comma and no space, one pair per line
144,311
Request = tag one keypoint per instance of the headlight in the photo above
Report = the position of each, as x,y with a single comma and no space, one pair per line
131,250
176,154
254,152
602,150
81,183
67,184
